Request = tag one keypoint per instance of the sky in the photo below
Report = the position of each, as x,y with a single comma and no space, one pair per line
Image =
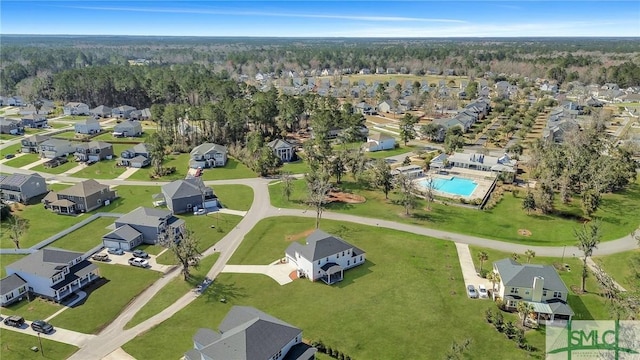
329,18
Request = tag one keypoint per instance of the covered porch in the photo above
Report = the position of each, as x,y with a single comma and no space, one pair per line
79,276
551,312
333,273
63,206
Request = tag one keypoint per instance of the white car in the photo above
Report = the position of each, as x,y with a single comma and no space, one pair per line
482,291
200,212
134,261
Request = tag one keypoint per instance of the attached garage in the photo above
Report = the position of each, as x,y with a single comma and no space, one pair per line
125,237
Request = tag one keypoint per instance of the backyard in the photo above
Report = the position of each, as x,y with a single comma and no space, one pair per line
619,213
233,170
85,238
413,284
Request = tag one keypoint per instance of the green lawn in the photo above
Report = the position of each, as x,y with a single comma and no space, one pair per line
386,153
146,133
85,238
173,291
236,197
106,299
619,268
58,169
131,197
71,135
589,306
233,170
619,213
15,148
298,167
23,160
8,136
410,289
17,346
6,259
103,169
180,162
36,309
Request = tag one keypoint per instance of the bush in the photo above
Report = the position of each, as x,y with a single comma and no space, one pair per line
488,314
483,273
498,321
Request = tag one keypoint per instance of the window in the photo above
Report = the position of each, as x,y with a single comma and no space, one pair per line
22,290
557,294
514,290
9,296
327,259
348,262
544,292
338,256
360,257
343,253
319,262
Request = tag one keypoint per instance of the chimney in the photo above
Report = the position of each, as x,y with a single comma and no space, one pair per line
538,285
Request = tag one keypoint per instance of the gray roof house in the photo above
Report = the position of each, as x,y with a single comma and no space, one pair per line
208,155
22,187
187,195
155,225
76,108
247,333
12,288
101,111
93,151
537,285
125,237
128,129
87,126
283,150
81,197
54,273
54,148
122,112
31,144
34,121
10,126
324,257
138,156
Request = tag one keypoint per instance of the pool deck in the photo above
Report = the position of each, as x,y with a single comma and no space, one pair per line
484,180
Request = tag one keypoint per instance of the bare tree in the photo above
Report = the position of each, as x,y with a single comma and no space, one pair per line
318,185
287,185
17,227
406,188
588,240
430,187
184,247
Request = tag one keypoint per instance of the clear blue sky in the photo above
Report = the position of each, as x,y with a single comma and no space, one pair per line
304,18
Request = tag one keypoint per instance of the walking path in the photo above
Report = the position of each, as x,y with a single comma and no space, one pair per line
595,268
469,273
125,175
74,169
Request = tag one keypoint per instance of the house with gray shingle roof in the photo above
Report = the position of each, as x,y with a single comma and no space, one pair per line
138,156
22,187
283,150
54,148
247,333
122,112
54,273
125,237
538,285
129,128
87,126
155,225
12,288
324,257
10,126
188,195
93,151
76,108
101,111
208,155
81,197
30,144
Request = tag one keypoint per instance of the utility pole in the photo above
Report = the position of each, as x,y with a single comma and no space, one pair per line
41,348
563,248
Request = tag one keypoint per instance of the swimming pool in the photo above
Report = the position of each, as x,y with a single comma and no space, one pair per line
453,185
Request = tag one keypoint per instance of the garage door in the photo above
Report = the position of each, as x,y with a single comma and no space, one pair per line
116,244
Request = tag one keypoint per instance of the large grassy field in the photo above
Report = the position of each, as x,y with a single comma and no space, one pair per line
146,133
233,170
130,197
588,306
106,298
86,237
17,346
618,266
103,169
297,167
180,162
619,213
23,160
410,289
236,197
173,291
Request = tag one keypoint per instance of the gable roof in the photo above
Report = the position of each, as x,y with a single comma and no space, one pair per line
379,137
88,121
124,233
320,245
10,283
184,188
84,189
205,148
278,144
45,262
56,142
249,334
36,138
17,180
144,216
515,274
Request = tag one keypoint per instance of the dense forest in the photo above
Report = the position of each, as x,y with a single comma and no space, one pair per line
25,59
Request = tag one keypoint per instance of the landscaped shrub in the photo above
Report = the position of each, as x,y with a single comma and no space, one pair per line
488,314
498,321
483,273
509,329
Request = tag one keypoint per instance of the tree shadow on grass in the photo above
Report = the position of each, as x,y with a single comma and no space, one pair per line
353,274
579,308
223,292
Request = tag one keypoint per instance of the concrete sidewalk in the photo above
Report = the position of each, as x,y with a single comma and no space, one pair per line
60,335
229,211
125,175
74,170
277,271
469,273
34,164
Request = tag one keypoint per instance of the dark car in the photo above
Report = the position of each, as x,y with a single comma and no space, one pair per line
14,320
9,156
100,257
140,254
41,326
114,251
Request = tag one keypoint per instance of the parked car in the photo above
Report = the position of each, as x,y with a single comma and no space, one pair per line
140,254
100,257
9,156
482,291
134,261
471,292
114,251
200,212
14,320
41,326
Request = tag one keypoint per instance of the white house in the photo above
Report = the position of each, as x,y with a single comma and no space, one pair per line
54,273
483,162
87,126
76,108
324,257
208,155
282,149
411,171
379,141
12,288
538,285
54,148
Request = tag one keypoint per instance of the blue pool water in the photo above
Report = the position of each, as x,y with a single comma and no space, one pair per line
454,186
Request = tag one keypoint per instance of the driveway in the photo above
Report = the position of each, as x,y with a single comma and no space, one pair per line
124,260
468,268
60,335
34,164
277,270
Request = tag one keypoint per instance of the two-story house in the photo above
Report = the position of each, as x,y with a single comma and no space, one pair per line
12,289
138,156
122,112
379,141
87,126
538,285
22,187
11,126
76,108
284,150
248,333
31,144
81,197
324,257
187,195
208,155
54,148
154,225
93,151
101,111
54,273
128,129
34,121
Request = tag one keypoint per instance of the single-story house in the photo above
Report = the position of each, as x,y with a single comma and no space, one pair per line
128,129
87,126
283,150
379,141
187,195
439,161
208,155
10,126
122,112
138,156
54,273
101,111
324,257
76,108
12,288
483,162
81,197
22,187
537,285
93,151
411,171
248,333
34,121
155,225
54,148
31,144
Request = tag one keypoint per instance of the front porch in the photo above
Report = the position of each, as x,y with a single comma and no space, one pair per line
85,274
